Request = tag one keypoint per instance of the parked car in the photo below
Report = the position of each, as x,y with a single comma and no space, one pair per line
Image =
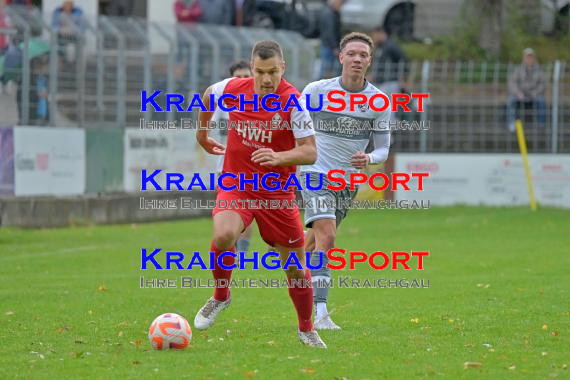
396,16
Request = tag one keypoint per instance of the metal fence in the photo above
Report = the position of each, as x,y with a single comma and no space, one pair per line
93,77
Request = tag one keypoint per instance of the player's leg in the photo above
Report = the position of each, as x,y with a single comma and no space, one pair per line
281,228
325,236
320,216
228,225
301,293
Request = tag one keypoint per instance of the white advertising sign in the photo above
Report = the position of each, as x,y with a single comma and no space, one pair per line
487,179
172,151
49,161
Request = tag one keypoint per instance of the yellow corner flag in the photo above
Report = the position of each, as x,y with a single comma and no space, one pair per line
524,154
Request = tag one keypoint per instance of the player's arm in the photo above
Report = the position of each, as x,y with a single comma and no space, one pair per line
305,151
381,139
209,144
360,159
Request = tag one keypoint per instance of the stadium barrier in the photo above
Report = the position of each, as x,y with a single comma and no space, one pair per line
94,80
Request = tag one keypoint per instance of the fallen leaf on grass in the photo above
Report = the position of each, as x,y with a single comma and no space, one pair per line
250,374
102,288
545,327
10,312
120,334
415,320
308,370
512,367
472,365
137,343
555,333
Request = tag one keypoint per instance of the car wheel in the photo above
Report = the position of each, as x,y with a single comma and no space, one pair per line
262,20
400,21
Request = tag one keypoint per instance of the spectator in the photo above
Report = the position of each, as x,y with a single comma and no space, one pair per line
527,85
330,39
67,22
244,12
4,24
219,12
40,67
389,67
13,59
187,11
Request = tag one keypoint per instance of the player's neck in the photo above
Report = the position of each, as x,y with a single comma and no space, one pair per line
352,83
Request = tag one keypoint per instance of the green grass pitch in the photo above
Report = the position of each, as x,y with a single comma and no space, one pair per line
71,306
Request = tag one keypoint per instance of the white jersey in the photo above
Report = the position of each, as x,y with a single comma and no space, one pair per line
340,134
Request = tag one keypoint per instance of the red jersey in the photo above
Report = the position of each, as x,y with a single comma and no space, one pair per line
246,134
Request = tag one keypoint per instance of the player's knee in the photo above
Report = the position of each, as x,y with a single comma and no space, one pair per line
325,236
294,273
225,238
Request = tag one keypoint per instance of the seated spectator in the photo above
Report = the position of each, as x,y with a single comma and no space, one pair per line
67,22
527,84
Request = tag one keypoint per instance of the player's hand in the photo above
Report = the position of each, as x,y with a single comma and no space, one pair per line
213,147
266,157
359,160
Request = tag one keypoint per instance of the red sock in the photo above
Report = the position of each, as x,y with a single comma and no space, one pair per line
222,294
302,298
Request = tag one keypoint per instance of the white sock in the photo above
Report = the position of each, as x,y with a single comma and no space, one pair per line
321,309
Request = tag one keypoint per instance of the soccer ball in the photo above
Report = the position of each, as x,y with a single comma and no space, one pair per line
169,331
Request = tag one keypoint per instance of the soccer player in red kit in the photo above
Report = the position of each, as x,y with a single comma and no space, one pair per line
256,148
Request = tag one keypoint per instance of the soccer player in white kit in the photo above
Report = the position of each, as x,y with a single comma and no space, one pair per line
342,138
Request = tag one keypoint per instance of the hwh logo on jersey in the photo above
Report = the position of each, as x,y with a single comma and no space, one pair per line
255,134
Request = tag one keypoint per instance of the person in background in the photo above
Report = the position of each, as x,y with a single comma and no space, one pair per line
188,11
244,12
527,84
4,24
389,67
330,38
67,22
219,12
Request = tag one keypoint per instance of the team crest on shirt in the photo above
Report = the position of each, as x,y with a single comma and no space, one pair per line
346,122
277,119
364,107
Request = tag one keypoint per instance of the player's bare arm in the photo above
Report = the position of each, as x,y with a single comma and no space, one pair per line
209,144
305,153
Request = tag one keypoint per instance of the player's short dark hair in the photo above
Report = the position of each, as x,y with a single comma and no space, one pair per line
267,49
238,65
355,36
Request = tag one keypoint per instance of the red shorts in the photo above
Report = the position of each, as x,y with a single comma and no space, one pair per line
277,226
